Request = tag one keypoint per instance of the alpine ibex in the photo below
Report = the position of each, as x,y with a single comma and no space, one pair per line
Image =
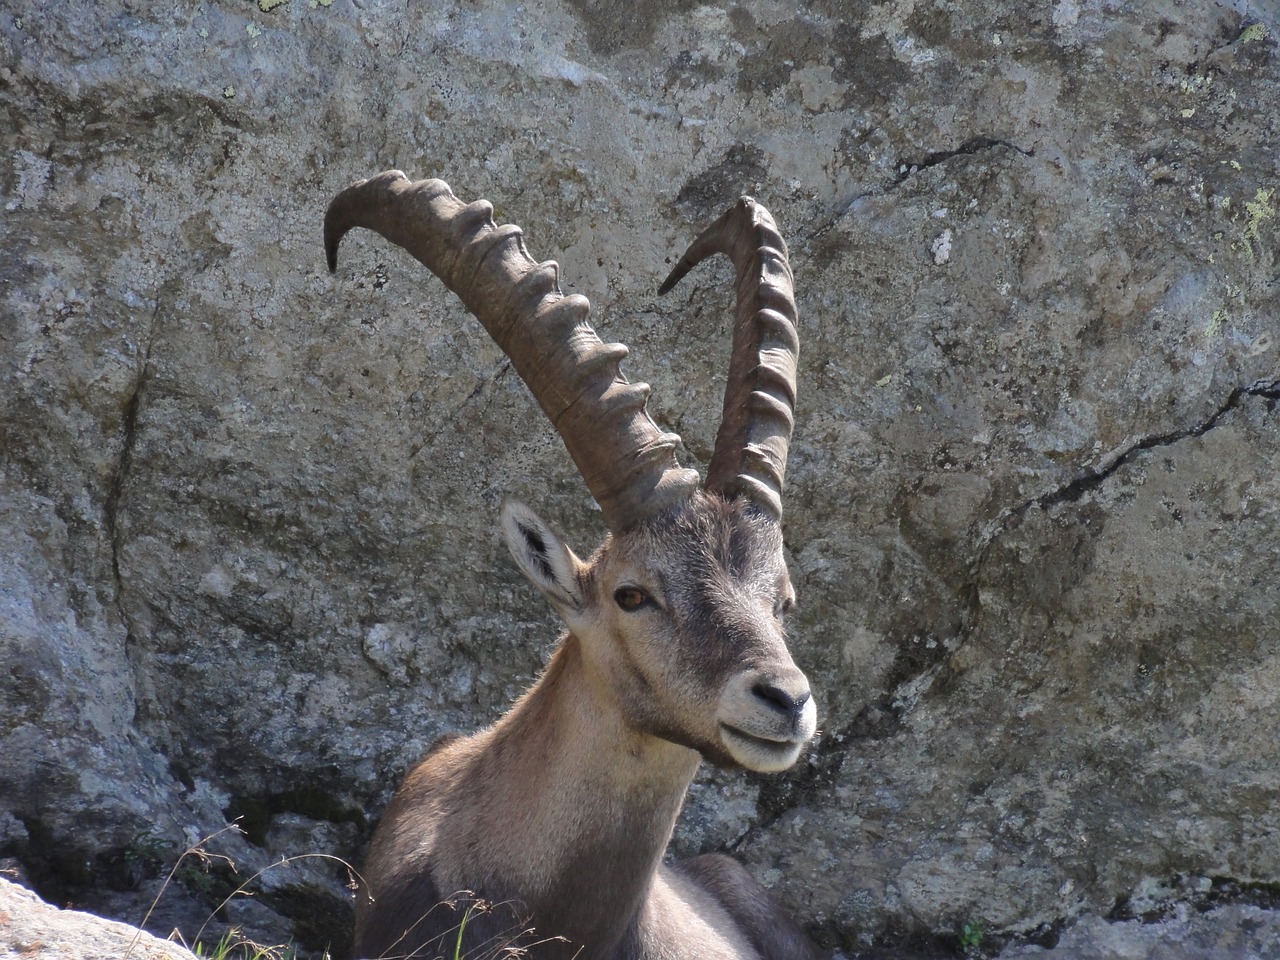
674,649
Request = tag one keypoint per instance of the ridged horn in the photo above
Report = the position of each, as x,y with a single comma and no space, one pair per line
750,456
628,464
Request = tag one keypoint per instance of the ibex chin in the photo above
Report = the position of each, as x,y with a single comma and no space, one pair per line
561,811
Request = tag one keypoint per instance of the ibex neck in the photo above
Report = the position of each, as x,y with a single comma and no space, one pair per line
592,800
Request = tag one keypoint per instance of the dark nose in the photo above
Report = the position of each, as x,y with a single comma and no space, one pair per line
789,702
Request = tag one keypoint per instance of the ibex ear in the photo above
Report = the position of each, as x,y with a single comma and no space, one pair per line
545,559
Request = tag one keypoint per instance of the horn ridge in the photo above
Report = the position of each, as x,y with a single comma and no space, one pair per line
628,464
760,391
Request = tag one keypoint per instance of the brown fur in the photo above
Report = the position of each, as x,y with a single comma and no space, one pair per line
560,813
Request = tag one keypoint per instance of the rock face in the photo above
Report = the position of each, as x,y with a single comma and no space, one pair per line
34,930
252,567
1233,932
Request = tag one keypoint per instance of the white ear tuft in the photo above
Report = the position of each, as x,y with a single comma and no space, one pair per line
542,556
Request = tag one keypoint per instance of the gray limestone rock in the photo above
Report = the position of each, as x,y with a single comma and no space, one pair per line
252,567
34,930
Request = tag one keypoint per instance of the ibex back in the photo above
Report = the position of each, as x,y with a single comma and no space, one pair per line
545,833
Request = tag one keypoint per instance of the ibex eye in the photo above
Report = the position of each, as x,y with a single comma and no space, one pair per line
630,598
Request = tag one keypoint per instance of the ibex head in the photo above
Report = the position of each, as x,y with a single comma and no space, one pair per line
678,615
681,617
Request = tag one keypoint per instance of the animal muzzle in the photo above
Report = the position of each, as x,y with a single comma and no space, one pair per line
766,718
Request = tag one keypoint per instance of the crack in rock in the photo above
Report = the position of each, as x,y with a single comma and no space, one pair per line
908,169
483,383
120,476
969,148
882,715
1094,478
1072,493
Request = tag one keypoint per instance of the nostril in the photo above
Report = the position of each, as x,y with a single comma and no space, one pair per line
776,697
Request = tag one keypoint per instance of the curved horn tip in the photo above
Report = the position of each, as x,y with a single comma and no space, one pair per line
714,239
675,276
336,223
333,232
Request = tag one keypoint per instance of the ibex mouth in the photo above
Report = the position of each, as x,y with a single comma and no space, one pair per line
755,737
761,754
